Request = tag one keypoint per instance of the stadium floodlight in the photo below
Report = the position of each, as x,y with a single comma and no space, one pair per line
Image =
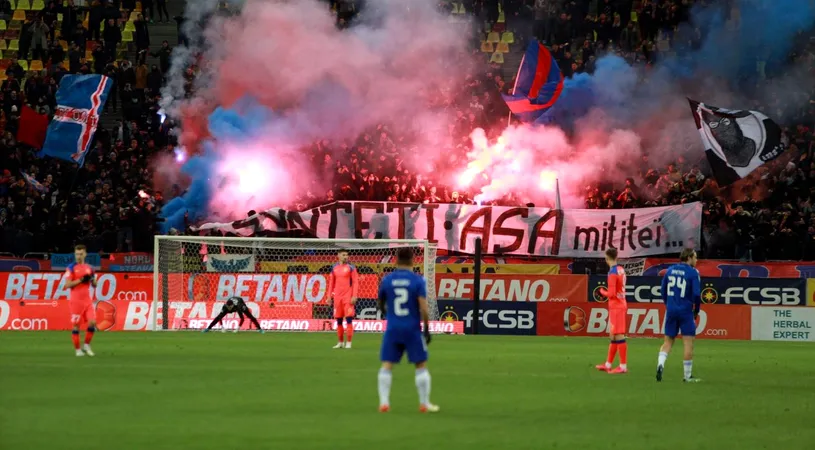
284,281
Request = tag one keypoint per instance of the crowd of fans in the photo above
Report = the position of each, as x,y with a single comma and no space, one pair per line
101,206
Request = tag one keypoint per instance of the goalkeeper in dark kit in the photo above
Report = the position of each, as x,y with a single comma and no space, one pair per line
235,305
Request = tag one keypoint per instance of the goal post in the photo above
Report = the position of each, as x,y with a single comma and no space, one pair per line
283,281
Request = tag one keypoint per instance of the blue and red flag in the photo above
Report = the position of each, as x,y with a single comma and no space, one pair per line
80,99
537,86
33,183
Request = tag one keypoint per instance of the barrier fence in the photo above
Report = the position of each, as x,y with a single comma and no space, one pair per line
512,304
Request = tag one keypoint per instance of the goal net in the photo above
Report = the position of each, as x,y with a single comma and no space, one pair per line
284,282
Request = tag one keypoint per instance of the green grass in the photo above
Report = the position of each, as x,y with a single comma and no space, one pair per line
291,391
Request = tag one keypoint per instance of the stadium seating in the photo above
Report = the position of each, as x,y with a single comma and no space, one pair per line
37,5
24,5
36,65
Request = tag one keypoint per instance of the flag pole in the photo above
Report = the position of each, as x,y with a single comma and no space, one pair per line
515,86
557,194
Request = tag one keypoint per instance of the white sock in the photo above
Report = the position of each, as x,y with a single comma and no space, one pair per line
688,368
662,358
608,365
385,379
423,386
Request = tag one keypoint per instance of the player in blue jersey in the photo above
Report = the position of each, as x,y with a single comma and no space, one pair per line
402,298
681,291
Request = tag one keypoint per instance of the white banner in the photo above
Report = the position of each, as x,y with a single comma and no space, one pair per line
230,263
579,233
783,324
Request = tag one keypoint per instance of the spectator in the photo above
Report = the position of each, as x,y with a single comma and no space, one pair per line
163,55
141,35
162,11
113,35
95,17
70,19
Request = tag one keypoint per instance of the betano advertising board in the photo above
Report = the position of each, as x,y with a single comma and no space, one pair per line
564,305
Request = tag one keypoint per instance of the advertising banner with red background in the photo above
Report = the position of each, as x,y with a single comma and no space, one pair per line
647,320
514,288
124,301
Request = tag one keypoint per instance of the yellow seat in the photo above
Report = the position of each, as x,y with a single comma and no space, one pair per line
458,8
127,36
14,44
487,47
3,45
502,18
497,58
24,4
138,7
3,25
19,15
493,37
63,44
38,5
36,65
15,25
59,17
502,47
3,76
13,4
23,63
634,17
508,37
130,26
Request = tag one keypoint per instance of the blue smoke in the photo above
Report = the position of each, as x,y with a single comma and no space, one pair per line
767,33
243,122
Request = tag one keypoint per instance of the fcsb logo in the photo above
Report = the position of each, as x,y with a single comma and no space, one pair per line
449,315
709,294
574,319
598,297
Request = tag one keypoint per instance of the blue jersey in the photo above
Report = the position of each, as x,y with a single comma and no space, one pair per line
400,290
681,289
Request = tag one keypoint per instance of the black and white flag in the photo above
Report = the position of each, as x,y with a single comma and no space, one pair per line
736,141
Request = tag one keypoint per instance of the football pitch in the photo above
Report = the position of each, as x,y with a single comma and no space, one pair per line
183,390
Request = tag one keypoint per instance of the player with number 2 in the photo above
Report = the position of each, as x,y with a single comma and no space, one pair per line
681,290
617,315
402,298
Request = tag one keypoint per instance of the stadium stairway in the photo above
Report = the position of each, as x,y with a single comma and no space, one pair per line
158,32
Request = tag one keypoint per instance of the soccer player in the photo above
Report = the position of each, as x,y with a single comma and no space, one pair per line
80,280
617,312
681,290
235,305
402,298
343,286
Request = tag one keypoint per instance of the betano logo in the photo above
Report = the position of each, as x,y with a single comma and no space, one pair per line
574,319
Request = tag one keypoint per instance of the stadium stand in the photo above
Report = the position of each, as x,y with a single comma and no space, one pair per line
99,204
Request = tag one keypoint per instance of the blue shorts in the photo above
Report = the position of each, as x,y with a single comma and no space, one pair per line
396,342
680,322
